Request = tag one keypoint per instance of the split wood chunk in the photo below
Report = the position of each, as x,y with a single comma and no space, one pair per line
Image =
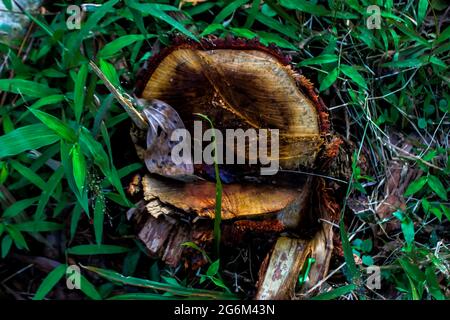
280,271
163,236
239,201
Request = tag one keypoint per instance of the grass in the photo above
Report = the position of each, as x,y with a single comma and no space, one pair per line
387,91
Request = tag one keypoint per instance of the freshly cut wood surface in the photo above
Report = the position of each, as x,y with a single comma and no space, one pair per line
240,89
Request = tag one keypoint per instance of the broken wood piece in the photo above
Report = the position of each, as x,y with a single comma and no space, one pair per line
279,273
239,201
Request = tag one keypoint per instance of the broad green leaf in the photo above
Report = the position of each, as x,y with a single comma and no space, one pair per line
274,24
353,75
118,44
18,206
91,23
89,289
50,186
329,79
53,99
38,226
174,289
29,174
79,167
407,63
412,270
6,245
99,216
68,172
157,11
407,227
17,236
228,10
353,272
93,249
306,6
8,4
445,35
26,88
267,38
415,186
142,296
322,59
110,72
213,268
78,94
211,28
433,284
75,218
26,138
96,150
437,186
58,126
50,281
335,293
422,11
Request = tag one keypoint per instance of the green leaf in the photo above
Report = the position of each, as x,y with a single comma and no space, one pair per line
415,186
17,236
93,249
407,63
118,44
29,174
322,59
110,72
78,94
26,138
329,79
99,216
412,270
38,226
433,284
26,88
6,245
445,35
407,227
50,281
52,182
8,4
89,289
18,206
79,167
58,126
437,186
174,289
53,99
95,149
228,10
213,268
305,6
353,272
142,296
353,75
422,11
422,123
267,38
336,293
157,11
75,218
91,23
